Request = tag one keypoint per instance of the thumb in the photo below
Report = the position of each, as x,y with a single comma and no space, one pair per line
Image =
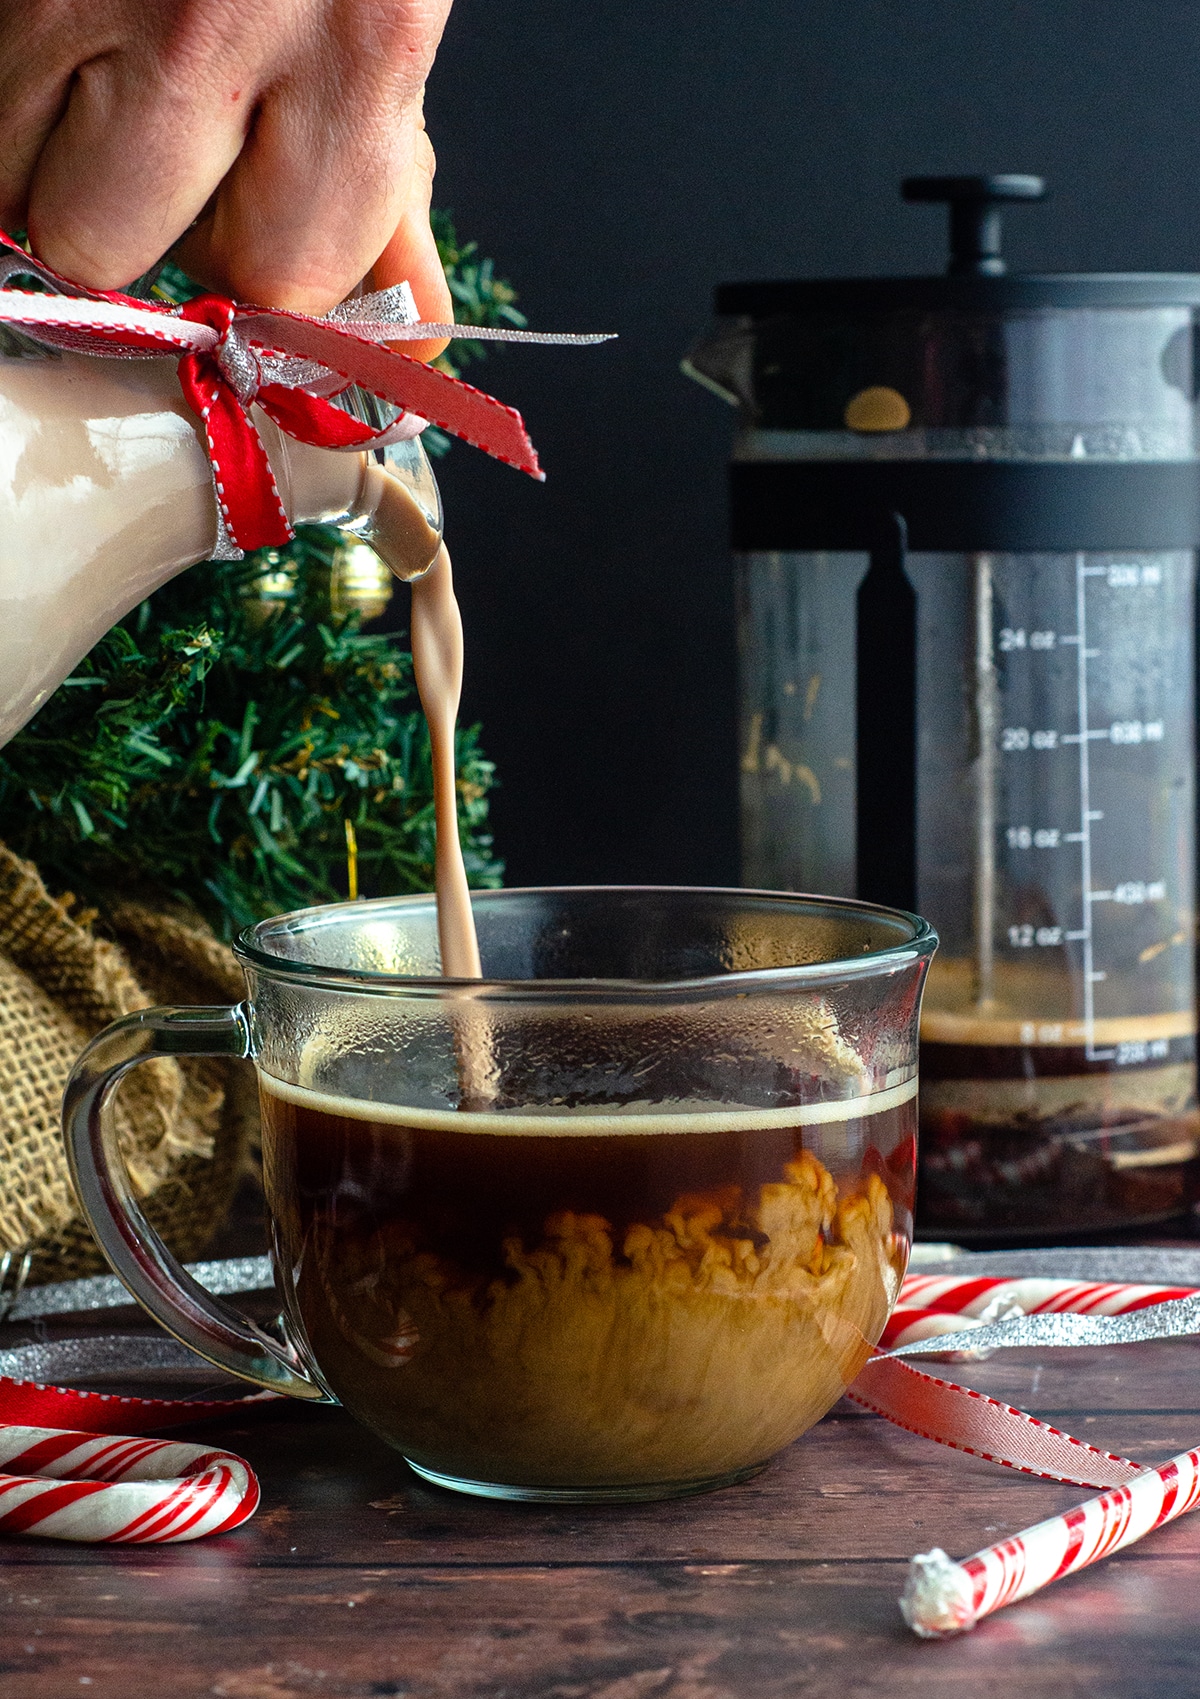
411,254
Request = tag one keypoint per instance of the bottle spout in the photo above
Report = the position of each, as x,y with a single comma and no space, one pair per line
400,510
399,507
389,498
723,362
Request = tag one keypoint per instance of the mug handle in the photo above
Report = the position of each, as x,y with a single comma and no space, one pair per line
134,1249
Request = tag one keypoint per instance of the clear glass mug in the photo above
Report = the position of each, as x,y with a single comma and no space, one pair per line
619,1221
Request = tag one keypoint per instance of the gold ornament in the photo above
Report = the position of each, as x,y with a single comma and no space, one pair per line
272,588
359,582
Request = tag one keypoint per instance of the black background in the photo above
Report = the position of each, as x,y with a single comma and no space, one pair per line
620,157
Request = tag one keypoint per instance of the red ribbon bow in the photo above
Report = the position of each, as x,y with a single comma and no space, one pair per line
221,345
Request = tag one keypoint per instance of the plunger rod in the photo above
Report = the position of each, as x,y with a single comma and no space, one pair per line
987,727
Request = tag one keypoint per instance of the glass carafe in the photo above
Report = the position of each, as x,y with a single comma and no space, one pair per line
965,513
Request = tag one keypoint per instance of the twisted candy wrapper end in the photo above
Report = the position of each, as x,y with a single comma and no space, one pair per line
938,1597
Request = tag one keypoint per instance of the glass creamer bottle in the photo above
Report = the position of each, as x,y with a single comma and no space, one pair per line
106,492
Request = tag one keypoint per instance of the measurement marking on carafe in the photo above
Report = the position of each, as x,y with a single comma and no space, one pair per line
1131,893
987,713
1085,735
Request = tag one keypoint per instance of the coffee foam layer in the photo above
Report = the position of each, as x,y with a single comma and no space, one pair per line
615,1121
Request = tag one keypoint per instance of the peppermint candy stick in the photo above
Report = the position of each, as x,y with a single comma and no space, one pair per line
960,1296
933,1305
943,1597
907,1325
64,1485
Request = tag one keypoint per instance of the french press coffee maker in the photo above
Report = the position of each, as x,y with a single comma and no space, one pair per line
965,511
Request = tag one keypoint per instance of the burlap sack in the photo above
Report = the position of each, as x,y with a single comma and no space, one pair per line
186,1127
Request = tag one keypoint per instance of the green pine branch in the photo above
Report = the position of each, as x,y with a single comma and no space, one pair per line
213,745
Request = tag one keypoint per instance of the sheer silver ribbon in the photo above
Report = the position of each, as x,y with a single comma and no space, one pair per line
1176,1318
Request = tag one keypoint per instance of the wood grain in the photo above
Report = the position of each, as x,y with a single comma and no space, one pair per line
356,1579
671,1631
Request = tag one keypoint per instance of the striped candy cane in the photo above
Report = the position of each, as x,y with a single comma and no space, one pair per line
943,1597
972,1296
933,1305
62,1484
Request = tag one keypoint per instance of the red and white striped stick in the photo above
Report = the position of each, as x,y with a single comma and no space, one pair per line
943,1597
62,1484
932,1305
1082,1297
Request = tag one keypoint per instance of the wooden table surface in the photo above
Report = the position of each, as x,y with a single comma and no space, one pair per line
355,1579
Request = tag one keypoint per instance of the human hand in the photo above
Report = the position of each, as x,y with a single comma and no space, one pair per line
282,140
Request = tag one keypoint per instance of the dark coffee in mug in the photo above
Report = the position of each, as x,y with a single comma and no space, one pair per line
589,1298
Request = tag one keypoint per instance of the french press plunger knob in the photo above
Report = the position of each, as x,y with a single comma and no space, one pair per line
975,215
